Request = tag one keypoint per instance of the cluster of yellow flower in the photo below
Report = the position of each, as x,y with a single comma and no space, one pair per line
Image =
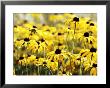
55,44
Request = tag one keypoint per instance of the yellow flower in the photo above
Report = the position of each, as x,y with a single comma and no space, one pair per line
53,65
37,17
19,31
93,71
18,43
69,15
56,18
86,40
32,46
32,57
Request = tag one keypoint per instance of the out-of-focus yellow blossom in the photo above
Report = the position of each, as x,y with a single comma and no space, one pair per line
69,15
37,17
56,18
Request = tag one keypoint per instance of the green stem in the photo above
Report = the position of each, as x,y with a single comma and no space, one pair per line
38,70
80,72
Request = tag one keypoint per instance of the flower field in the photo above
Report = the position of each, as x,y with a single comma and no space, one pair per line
54,44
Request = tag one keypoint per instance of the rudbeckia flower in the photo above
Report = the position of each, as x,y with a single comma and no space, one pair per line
32,46
94,70
87,40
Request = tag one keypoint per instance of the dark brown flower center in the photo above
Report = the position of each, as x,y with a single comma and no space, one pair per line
48,30
42,40
29,55
78,58
33,30
15,26
90,42
44,63
86,34
91,24
94,65
59,44
93,50
76,19
58,51
87,22
21,58
26,40
55,13
59,33
64,72
37,42
43,24
52,60
34,27
25,21
37,57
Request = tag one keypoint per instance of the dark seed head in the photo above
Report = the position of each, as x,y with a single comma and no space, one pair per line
25,21
59,34
48,30
93,50
42,40
44,63
53,33
59,44
37,42
76,19
43,24
64,72
26,40
91,24
29,55
58,51
86,34
90,42
30,33
52,60
87,22
21,58
55,13
34,27
78,58
37,57
15,26
68,27
33,30
94,65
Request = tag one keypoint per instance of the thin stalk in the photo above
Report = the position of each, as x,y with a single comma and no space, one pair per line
38,70
80,72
